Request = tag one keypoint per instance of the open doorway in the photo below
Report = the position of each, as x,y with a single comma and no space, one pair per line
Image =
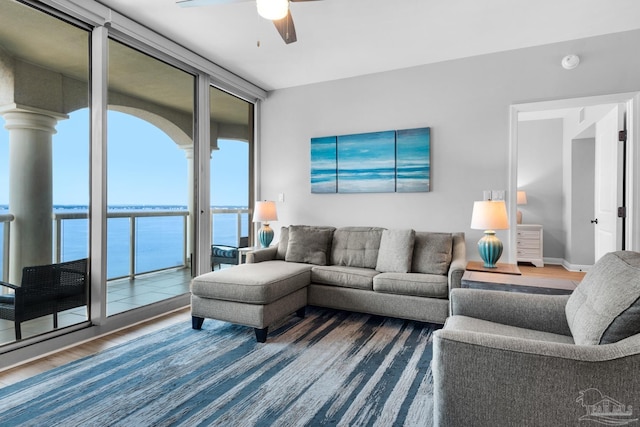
555,158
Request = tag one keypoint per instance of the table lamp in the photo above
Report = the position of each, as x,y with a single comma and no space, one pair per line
489,215
521,199
264,212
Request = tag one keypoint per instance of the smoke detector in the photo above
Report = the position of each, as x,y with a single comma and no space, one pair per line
570,62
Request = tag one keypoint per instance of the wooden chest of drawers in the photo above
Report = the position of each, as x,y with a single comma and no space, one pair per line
529,244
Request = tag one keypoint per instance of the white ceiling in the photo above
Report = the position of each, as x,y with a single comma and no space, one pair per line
345,38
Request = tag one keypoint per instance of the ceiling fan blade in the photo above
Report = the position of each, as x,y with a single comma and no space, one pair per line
286,28
194,3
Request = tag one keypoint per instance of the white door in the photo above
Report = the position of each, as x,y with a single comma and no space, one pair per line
608,183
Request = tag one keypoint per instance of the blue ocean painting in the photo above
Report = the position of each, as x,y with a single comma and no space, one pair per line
324,165
366,163
413,163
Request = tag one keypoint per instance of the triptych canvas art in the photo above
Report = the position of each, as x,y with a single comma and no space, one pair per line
376,162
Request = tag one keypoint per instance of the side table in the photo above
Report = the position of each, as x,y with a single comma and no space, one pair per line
499,268
517,283
242,252
529,244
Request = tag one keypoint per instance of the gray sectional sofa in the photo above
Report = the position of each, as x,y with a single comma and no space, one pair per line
399,273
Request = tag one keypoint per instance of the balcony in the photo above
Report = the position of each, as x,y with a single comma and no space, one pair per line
138,273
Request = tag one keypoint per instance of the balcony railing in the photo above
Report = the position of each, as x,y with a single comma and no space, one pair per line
219,237
133,238
59,219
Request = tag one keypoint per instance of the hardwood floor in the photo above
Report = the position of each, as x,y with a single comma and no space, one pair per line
30,369
550,271
27,370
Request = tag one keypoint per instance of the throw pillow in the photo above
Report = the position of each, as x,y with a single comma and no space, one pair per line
396,248
605,307
432,253
356,246
283,243
309,244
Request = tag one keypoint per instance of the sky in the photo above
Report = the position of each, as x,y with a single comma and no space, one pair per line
145,167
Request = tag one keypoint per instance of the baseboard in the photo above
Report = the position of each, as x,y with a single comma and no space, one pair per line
567,265
576,267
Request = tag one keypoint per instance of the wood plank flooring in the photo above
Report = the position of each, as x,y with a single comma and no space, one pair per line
550,271
29,369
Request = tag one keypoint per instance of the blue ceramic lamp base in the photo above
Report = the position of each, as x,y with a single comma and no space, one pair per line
265,235
490,248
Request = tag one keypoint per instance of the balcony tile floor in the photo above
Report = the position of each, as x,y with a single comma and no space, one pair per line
122,295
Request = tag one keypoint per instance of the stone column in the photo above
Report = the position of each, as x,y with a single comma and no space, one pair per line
30,187
188,152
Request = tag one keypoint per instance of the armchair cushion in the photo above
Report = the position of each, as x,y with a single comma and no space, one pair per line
396,249
605,307
7,299
224,252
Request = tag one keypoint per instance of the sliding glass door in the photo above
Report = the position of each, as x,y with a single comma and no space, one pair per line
149,179
60,163
231,178
44,168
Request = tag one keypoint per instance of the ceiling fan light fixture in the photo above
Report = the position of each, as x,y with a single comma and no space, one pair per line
272,9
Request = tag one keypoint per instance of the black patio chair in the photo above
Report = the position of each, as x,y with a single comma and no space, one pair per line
225,254
45,289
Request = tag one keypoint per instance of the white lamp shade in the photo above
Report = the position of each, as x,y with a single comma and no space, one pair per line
489,215
272,9
521,198
265,212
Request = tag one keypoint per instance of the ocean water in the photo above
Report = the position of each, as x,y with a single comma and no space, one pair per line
159,240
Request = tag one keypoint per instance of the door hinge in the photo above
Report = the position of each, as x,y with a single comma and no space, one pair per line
622,212
622,136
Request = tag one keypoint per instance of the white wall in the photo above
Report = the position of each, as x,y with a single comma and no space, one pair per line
466,104
540,175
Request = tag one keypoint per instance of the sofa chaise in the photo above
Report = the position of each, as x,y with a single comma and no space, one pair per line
398,273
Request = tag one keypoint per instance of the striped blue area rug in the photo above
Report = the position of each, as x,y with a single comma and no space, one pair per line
330,368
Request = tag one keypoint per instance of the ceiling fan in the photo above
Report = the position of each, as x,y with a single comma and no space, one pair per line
274,10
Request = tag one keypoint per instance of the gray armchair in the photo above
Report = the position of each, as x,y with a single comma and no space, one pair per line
505,359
